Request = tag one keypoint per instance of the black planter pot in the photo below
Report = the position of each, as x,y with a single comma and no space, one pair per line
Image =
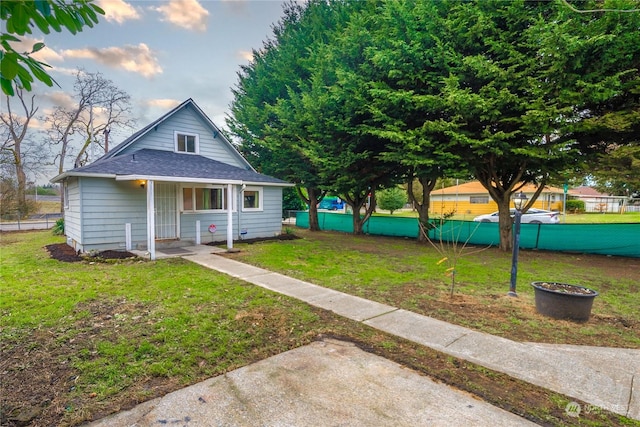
564,301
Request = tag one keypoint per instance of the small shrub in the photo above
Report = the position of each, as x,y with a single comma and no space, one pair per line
575,206
391,199
58,228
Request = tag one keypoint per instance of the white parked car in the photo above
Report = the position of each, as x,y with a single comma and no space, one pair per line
532,216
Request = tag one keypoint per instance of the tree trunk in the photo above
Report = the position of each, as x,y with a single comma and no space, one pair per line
17,126
22,190
422,206
501,192
62,156
315,195
501,185
357,202
505,223
314,225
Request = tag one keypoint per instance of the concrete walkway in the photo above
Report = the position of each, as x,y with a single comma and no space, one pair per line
607,378
327,383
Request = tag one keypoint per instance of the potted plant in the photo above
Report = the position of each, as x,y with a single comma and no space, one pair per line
564,301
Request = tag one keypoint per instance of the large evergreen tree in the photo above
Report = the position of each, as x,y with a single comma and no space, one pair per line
527,87
264,113
410,59
355,96
338,104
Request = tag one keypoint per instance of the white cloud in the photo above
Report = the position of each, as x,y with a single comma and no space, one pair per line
60,99
118,11
165,104
37,124
45,54
138,59
188,14
245,54
149,109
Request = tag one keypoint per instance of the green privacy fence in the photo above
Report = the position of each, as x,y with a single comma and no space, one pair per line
603,239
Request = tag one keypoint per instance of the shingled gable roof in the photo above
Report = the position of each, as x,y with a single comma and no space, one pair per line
169,165
188,103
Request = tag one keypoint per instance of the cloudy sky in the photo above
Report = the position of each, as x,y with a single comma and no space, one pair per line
162,52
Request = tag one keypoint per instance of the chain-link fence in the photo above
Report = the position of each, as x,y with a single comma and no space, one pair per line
15,222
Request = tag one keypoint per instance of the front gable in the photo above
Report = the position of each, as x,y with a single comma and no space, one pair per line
174,180
184,145
187,130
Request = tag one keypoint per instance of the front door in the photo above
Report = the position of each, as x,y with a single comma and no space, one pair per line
166,212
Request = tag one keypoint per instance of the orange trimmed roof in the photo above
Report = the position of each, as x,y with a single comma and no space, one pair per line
474,187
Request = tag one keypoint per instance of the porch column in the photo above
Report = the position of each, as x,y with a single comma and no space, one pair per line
151,221
230,216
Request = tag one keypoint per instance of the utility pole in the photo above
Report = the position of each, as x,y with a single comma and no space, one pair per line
106,139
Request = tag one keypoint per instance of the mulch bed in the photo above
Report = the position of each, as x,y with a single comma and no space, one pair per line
65,253
257,240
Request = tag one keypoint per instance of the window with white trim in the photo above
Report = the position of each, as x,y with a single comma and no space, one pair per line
479,199
196,199
187,142
252,199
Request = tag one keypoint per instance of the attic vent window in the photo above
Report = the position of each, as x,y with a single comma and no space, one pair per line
186,142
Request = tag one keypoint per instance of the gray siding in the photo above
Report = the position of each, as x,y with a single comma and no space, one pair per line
265,223
107,205
72,213
186,120
188,227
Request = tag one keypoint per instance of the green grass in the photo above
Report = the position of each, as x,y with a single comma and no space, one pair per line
104,336
121,324
405,274
599,218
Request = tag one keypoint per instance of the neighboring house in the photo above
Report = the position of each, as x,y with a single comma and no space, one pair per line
176,181
473,199
594,201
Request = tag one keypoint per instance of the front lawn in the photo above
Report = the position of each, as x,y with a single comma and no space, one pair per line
81,340
409,275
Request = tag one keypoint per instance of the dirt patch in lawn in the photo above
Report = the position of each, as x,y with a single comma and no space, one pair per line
65,253
40,386
45,390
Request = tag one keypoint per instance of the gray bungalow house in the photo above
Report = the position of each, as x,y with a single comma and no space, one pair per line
177,180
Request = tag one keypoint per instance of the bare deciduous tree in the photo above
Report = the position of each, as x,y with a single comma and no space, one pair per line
109,107
99,105
13,138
